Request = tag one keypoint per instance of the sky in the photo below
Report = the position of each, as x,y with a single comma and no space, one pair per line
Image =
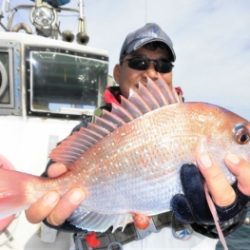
211,40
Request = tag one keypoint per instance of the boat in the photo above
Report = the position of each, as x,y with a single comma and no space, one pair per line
50,79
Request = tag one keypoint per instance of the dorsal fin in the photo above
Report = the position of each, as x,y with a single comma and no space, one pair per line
130,107
148,97
167,92
139,102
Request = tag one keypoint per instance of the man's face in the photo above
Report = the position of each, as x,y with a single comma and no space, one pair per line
128,78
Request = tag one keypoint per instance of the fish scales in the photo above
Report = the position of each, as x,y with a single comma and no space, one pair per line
133,168
126,168
145,162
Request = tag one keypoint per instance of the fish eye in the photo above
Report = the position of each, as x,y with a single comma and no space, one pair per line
241,134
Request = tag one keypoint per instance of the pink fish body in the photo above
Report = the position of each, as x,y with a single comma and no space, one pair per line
128,161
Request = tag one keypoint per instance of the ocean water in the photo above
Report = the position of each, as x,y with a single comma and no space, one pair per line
239,239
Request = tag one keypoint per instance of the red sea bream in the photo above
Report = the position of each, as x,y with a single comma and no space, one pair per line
128,160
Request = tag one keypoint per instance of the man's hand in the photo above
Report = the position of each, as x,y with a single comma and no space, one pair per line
221,191
191,207
241,169
51,206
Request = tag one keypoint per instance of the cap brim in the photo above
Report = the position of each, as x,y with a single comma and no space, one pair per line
140,43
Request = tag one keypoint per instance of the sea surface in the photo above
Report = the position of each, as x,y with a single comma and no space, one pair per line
238,240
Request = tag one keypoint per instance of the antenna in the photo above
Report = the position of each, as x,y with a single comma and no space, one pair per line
5,6
82,36
146,11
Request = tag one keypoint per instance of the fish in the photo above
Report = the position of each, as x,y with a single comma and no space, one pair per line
128,160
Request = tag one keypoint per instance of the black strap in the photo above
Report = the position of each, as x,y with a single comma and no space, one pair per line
114,240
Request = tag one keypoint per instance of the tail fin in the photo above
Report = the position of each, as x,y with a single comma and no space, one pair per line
14,191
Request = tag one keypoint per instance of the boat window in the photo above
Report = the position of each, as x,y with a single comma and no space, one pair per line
5,98
65,83
10,103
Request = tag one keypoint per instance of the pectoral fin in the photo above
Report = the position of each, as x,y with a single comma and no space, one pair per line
98,222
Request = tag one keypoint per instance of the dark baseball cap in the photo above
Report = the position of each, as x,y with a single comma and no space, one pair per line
150,32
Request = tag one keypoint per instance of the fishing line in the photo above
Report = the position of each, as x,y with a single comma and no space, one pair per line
215,218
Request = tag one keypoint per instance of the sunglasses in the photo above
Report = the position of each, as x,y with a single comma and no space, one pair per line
142,63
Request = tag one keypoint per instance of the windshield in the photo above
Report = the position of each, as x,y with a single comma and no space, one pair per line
66,83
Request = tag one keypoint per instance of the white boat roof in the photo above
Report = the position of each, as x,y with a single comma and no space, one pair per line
36,40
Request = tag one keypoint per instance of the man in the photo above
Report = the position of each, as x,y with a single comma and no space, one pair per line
148,53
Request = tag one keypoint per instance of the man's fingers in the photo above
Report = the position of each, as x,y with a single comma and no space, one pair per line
241,169
54,208
217,183
56,169
42,208
65,207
